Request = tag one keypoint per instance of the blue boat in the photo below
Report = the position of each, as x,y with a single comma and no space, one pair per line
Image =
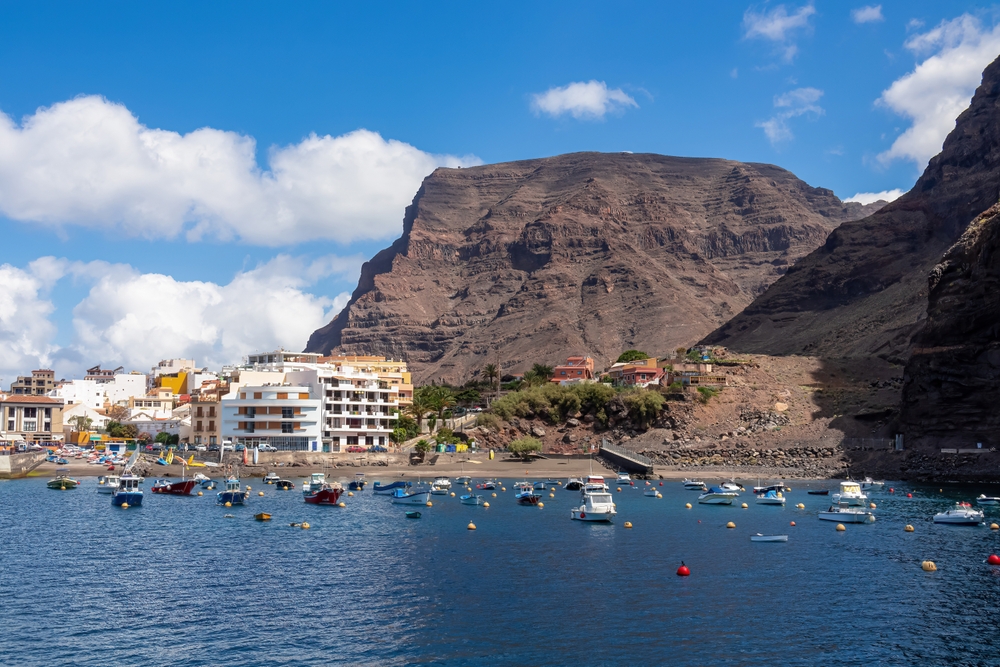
387,489
129,491
234,493
358,483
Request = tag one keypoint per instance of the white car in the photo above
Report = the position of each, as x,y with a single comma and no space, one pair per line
266,448
200,448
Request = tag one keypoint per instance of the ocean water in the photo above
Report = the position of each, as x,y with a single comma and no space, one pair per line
176,583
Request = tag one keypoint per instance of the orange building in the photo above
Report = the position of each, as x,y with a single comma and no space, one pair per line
576,369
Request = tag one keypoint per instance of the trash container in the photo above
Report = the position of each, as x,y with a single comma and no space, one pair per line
440,448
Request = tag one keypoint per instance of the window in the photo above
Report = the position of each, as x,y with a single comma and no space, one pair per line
286,413
370,440
213,440
199,413
287,427
258,394
197,426
211,411
30,413
197,439
29,425
352,439
211,426
249,427
251,412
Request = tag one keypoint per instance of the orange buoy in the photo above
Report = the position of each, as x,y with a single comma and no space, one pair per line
683,570
792,523
993,559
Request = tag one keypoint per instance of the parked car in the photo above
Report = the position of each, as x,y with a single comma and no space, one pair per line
240,447
266,448
377,448
458,412
227,447
355,449
478,408
201,448
213,448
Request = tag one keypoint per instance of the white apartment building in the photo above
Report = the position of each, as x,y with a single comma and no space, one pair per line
338,407
81,392
125,386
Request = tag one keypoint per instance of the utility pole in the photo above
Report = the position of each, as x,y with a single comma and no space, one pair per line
499,373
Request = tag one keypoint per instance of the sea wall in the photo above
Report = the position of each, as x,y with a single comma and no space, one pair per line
19,465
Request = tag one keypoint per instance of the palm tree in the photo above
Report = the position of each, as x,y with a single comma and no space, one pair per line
490,371
418,408
440,399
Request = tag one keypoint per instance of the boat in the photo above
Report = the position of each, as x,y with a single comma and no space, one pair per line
285,485
358,483
850,494
961,515
779,487
472,499
438,490
271,478
403,496
844,513
694,485
442,482
262,516
233,493
327,493
524,494
488,485
651,492
412,514
768,538
772,497
594,484
202,479
129,491
63,483
107,484
623,478
869,484
388,489
718,496
540,486
161,462
179,488
315,482
597,507
574,484
819,492
731,485
983,499
463,480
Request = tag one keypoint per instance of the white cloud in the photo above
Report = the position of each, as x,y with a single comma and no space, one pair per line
778,25
940,87
867,14
26,334
870,197
90,162
794,103
591,100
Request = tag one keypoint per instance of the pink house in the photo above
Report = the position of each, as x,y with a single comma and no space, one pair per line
576,369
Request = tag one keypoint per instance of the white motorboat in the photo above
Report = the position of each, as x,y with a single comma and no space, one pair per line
442,482
758,490
694,485
439,490
407,497
597,506
961,515
651,492
768,538
847,514
772,497
272,478
107,484
623,478
594,484
983,499
731,485
574,484
850,494
314,483
472,499
463,479
718,496
869,484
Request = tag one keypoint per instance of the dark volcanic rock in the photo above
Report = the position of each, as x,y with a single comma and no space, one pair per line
952,384
586,253
864,291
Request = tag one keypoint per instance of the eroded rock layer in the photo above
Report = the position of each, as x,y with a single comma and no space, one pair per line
585,253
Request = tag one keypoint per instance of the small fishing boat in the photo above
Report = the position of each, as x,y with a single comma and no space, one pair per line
129,491
418,496
768,538
285,485
540,486
202,480
850,494
314,483
388,489
262,516
869,484
694,485
961,515
623,478
412,515
63,483
463,480
179,488
780,487
524,494
358,483
772,497
326,494
438,490
732,485
651,492
472,499
271,478
594,484
983,499
233,493
574,484
597,507
819,492
718,496
442,482
107,484
845,513
488,485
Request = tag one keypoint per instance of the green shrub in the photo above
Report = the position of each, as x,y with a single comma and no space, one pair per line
523,447
488,420
643,405
631,355
705,394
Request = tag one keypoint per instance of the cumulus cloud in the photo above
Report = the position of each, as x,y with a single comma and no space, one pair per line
940,87
583,100
871,197
794,103
778,25
867,14
135,319
90,162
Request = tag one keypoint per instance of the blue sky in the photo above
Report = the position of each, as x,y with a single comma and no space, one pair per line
204,179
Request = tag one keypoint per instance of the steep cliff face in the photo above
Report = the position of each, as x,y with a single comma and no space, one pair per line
952,384
864,291
584,253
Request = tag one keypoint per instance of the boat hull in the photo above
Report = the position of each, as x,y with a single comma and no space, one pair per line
324,497
770,501
717,499
848,517
232,497
769,538
63,485
412,499
133,498
356,486
388,489
472,500
528,499
579,514
174,488
988,501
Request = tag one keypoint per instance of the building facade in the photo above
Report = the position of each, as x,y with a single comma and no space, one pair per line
40,383
284,415
31,418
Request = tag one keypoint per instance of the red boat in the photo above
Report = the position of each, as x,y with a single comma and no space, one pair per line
179,488
326,494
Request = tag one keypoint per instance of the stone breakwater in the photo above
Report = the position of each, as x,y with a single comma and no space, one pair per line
819,461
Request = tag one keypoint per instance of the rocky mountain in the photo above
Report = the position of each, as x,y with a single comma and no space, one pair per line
864,291
587,253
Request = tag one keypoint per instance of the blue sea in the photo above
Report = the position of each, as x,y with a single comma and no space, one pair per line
176,583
